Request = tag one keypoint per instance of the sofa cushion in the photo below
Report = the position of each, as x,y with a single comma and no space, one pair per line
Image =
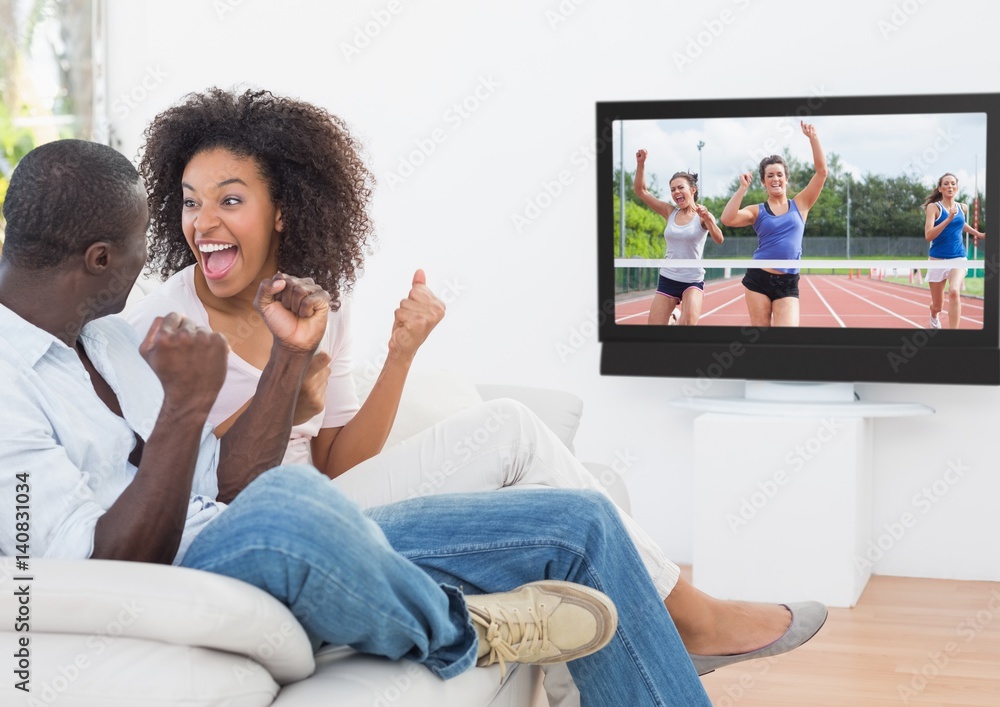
559,410
106,669
162,603
428,398
358,679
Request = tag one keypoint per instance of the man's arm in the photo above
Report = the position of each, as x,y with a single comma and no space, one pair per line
146,522
295,310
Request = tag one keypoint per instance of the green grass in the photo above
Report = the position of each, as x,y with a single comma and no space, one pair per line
865,257
974,286
844,271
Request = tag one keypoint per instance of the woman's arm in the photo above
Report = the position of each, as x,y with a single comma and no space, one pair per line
733,216
805,199
969,229
663,208
708,222
337,449
930,230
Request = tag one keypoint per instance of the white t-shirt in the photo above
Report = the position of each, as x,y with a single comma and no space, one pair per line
178,294
685,242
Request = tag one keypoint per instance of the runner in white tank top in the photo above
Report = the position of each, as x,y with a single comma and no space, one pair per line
684,242
688,225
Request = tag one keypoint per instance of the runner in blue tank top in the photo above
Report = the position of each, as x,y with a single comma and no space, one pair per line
943,228
772,295
688,226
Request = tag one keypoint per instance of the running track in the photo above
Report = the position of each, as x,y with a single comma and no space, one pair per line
824,301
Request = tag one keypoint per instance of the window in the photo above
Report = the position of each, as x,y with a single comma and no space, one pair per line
51,78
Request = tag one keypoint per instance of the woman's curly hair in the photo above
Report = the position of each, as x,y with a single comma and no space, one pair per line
305,155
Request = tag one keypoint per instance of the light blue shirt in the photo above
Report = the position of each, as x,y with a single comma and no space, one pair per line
73,449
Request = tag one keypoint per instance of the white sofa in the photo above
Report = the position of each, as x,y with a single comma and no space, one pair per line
110,634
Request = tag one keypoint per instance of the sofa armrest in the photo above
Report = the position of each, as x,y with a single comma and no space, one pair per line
559,410
168,604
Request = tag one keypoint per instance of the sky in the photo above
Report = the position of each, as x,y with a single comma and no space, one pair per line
925,145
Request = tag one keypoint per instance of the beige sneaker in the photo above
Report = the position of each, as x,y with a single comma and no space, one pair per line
541,622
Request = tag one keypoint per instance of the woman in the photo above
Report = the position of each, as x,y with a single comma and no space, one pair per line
242,186
944,223
234,199
772,294
688,226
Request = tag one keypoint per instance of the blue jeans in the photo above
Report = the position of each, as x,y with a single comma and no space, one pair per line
386,583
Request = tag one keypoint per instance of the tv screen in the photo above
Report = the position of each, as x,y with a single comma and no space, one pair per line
818,238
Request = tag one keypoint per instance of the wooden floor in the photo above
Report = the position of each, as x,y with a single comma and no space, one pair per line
907,642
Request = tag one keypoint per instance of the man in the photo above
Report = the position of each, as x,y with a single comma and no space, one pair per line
123,466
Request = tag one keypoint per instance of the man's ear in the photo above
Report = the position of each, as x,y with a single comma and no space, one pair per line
97,257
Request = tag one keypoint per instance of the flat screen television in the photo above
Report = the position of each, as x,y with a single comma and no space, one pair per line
863,261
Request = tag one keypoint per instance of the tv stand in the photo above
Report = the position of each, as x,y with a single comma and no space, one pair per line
783,492
801,400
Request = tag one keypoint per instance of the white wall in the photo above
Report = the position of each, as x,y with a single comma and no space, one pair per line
520,300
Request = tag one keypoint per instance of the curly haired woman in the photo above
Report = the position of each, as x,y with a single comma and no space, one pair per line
243,186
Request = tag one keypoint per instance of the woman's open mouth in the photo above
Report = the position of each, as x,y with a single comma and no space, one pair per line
217,259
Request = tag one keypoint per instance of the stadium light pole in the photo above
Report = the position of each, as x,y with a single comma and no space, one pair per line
701,177
848,216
